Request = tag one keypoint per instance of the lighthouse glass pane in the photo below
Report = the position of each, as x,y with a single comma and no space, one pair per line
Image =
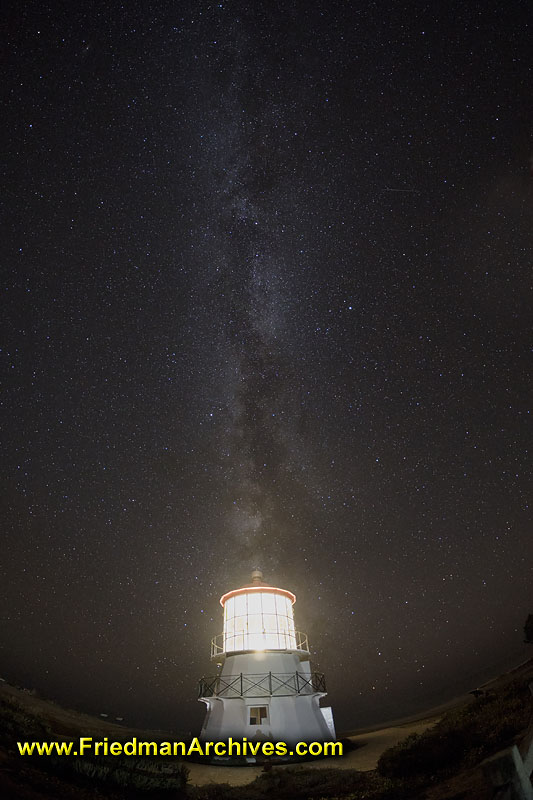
270,623
229,626
284,607
229,607
255,634
240,605
258,621
269,603
254,603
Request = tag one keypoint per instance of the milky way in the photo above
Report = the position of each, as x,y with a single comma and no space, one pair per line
267,301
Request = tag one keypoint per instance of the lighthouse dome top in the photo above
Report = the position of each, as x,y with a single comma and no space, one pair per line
257,585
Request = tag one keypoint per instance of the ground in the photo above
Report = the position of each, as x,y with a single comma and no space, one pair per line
23,779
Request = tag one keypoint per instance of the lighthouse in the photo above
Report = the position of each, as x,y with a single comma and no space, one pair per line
266,687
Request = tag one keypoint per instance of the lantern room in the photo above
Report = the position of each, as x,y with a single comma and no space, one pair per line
258,618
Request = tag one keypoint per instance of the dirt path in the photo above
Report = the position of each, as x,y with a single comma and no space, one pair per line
369,748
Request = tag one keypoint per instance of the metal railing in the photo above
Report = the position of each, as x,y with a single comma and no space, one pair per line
302,644
275,684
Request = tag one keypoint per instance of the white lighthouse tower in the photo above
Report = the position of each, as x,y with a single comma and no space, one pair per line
266,688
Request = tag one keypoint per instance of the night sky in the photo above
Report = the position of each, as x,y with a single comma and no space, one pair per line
266,275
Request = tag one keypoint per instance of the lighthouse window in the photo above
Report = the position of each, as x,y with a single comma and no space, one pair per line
258,715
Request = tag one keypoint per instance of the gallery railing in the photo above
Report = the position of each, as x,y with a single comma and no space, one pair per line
282,641
277,684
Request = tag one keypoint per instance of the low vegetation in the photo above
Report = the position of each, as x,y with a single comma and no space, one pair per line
304,784
463,737
142,777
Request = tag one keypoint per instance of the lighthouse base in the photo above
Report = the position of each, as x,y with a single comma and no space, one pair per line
289,719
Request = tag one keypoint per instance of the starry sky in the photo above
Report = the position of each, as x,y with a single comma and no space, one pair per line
266,284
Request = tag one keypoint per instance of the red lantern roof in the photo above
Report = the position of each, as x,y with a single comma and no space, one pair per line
257,585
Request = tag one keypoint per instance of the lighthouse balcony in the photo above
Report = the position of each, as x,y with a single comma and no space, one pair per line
224,645
275,684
